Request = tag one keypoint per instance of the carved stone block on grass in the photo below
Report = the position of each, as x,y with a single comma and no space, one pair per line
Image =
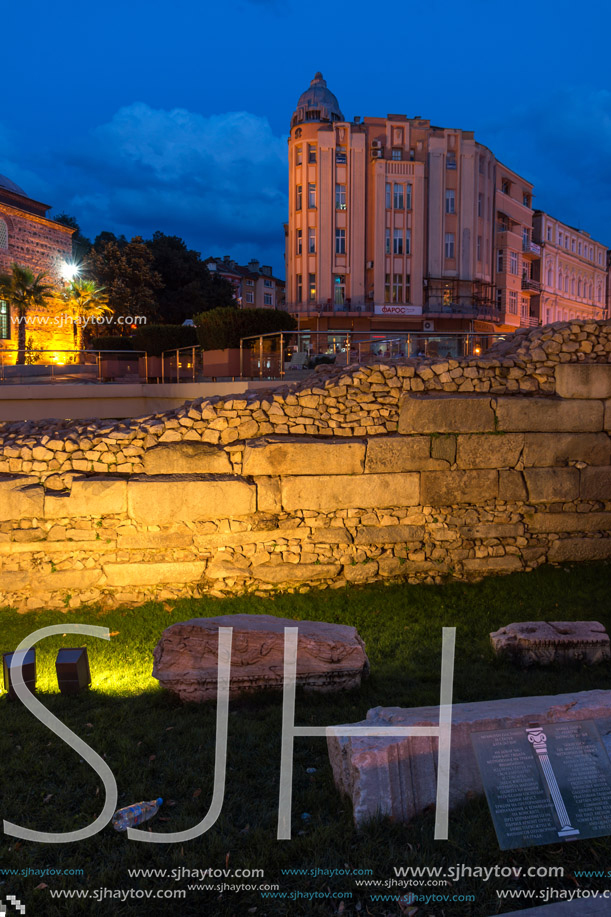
330,657
544,642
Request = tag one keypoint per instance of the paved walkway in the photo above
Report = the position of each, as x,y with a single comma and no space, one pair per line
588,907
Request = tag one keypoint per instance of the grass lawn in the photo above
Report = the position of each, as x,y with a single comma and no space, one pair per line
157,746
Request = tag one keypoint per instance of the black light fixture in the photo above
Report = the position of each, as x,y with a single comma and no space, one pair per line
28,668
72,667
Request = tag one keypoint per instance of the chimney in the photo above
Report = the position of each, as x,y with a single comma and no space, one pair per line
266,269
253,266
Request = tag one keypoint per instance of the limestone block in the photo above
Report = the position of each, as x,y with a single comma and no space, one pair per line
568,522
331,535
487,450
151,574
583,380
154,540
101,496
492,530
446,414
64,581
21,497
562,448
269,456
186,458
545,642
259,536
548,415
444,447
507,563
330,657
397,777
552,485
269,497
294,573
607,421
388,534
575,549
444,488
350,491
13,581
401,453
512,488
164,499
596,483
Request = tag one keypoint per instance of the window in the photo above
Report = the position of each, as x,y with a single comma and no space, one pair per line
479,248
505,186
340,155
559,280
599,295
250,283
449,245
499,299
397,243
298,155
572,286
499,261
450,201
566,283
513,302
513,262
572,245
559,238
298,198
311,240
299,241
566,242
412,154
250,297
340,241
3,235
397,154
579,249
451,161
525,239
387,245
311,152
387,288
397,287
407,288
5,320
299,288
311,287
311,195
312,115
408,197
549,232
600,257
481,165
268,283
388,195
579,287
268,299
340,197
408,241
526,199
480,203
397,197
339,289
524,307
549,276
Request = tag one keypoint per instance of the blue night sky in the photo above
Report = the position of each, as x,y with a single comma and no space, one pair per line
138,115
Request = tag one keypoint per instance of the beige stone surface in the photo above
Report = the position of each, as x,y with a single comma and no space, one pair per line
388,534
294,573
303,456
492,530
568,522
345,491
489,450
163,500
396,777
269,496
443,488
108,495
186,458
583,380
20,498
330,657
63,581
508,563
446,414
552,485
135,574
529,643
512,487
548,415
579,549
596,483
562,448
401,453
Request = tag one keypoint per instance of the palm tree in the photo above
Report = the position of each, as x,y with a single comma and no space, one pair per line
82,301
24,291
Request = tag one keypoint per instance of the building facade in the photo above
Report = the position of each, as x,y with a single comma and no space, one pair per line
30,239
398,225
254,284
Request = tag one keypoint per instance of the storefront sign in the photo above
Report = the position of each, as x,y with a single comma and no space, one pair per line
391,309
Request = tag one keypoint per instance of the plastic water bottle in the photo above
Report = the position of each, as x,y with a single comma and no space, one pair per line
130,816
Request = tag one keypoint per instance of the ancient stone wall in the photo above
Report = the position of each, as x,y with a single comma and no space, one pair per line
417,470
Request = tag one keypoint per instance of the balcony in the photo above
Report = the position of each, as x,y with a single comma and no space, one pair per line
531,286
530,248
529,321
482,311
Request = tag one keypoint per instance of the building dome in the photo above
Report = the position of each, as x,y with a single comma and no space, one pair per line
11,186
317,103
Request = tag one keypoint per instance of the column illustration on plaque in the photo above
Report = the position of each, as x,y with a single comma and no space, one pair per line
538,740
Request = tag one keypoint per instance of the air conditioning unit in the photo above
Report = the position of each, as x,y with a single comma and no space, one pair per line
376,154
376,144
428,326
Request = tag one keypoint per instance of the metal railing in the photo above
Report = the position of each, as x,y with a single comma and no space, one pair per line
56,365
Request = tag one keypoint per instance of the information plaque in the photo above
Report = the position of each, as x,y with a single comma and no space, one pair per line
545,784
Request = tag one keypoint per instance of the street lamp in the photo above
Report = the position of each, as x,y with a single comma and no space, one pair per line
69,271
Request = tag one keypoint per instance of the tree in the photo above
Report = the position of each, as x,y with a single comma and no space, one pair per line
188,287
24,291
125,270
81,245
82,301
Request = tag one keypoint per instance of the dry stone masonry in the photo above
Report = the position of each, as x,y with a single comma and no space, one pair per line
417,469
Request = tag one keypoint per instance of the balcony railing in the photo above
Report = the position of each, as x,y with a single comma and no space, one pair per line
530,247
534,286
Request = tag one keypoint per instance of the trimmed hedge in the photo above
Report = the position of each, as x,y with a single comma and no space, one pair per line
157,338
108,342
219,329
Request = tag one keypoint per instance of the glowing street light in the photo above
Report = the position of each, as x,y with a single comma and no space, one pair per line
69,271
